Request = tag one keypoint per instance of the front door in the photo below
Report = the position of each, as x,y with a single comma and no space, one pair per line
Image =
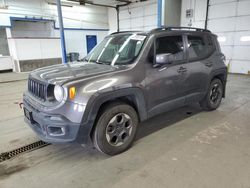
165,85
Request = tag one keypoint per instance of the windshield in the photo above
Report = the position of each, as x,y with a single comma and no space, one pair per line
117,50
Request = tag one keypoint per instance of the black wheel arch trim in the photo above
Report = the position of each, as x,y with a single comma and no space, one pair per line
221,71
96,101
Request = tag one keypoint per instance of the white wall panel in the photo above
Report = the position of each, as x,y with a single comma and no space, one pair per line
29,49
112,20
50,48
125,24
241,53
200,6
138,16
138,22
226,38
199,24
230,20
6,63
136,12
124,14
148,28
149,21
239,67
222,10
221,25
244,8
243,23
242,38
220,1
150,9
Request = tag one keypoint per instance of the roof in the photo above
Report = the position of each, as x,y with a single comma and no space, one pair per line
164,29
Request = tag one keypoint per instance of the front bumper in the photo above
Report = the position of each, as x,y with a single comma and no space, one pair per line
51,128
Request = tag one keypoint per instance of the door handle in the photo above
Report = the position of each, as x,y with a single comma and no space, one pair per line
209,64
182,70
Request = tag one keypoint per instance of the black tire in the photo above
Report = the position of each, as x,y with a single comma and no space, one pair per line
213,98
115,129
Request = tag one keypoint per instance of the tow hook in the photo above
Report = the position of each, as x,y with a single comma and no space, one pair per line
20,105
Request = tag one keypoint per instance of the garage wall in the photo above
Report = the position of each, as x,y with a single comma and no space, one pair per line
79,21
172,12
140,16
230,20
112,13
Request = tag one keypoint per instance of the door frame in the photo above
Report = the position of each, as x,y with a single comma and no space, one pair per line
173,103
87,36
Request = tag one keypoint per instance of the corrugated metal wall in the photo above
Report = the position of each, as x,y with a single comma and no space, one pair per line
230,20
139,16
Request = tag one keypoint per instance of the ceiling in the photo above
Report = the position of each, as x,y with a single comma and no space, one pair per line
103,2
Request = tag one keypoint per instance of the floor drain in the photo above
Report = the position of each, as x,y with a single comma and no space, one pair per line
11,154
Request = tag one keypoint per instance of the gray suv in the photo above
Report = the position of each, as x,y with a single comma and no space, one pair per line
128,78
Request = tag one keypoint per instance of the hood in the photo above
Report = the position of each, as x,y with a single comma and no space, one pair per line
62,73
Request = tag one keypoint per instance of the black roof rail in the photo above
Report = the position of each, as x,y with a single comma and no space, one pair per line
181,28
118,32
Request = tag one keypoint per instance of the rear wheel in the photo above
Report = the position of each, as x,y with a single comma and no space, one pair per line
213,98
115,129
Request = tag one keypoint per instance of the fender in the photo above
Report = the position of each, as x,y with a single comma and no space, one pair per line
95,102
221,71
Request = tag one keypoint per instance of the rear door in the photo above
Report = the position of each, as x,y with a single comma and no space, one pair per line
199,51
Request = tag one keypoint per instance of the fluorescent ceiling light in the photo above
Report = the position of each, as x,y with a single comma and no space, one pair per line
71,2
245,38
222,39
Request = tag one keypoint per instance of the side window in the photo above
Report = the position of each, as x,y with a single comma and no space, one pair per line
210,44
217,45
171,45
196,47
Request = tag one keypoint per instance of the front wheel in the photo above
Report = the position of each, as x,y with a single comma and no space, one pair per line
213,98
115,129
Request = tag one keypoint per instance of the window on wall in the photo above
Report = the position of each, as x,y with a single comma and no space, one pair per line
171,45
4,48
196,47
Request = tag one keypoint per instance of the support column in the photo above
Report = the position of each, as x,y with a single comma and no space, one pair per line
60,19
159,21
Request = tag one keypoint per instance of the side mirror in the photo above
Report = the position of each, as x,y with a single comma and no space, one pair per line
167,58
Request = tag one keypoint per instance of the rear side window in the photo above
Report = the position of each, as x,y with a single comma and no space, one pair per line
171,45
210,44
196,47
217,45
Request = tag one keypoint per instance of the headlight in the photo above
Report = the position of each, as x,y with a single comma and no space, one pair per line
58,93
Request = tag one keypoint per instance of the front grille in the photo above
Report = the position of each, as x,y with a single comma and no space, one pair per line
37,89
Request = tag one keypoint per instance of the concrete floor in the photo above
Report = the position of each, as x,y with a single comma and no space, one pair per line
176,149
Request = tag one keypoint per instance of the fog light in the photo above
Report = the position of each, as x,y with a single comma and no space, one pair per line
56,131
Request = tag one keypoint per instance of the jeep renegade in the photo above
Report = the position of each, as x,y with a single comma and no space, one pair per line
128,78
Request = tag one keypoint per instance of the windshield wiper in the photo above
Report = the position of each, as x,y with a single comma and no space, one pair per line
97,62
102,62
